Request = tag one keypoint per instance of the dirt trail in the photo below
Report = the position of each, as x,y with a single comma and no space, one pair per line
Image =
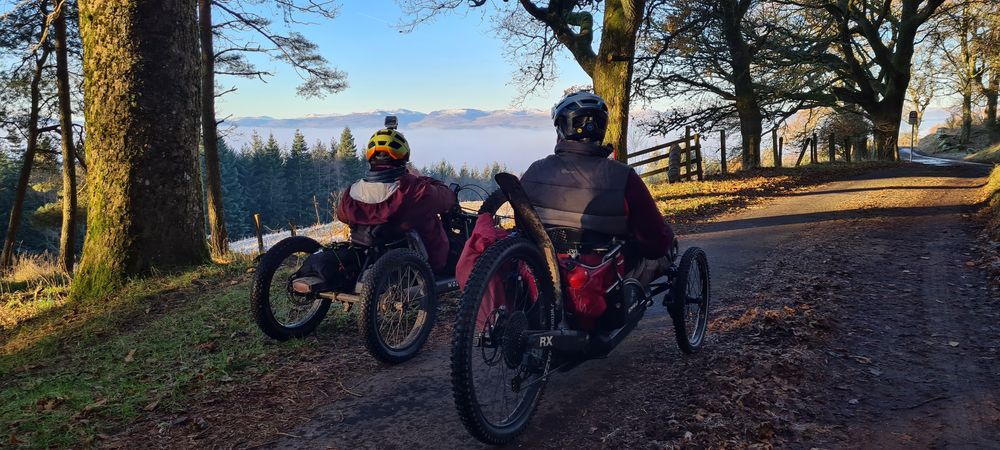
875,267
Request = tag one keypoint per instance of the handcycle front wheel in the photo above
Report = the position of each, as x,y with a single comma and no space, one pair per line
497,380
280,312
690,300
398,306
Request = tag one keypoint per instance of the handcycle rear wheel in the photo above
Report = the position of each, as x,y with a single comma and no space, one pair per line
689,303
497,381
281,313
398,306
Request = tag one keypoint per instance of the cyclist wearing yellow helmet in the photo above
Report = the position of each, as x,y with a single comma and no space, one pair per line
393,193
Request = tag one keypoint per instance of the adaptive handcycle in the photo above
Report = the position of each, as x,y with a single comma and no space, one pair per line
382,270
515,327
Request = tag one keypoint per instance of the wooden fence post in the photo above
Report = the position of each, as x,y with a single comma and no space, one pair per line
833,148
260,236
814,153
722,149
805,146
781,151
697,156
775,146
674,164
687,154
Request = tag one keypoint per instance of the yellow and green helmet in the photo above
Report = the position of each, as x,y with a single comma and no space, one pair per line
388,146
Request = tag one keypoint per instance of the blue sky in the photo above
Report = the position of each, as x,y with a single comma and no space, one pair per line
455,61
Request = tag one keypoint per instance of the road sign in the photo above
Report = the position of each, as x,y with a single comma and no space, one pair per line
913,118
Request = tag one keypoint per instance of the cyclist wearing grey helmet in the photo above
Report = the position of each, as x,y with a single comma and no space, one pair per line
580,187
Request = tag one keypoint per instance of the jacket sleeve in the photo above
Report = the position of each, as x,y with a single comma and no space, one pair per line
434,197
343,212
645,222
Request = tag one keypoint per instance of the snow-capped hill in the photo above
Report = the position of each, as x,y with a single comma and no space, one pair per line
460,118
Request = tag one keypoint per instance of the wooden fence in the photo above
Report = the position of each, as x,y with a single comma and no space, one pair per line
689,160
687,151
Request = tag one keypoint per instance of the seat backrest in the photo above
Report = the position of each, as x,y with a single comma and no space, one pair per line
372,235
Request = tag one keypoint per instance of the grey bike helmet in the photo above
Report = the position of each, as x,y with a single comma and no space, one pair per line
581,116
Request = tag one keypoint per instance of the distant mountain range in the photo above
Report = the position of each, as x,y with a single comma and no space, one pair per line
408,119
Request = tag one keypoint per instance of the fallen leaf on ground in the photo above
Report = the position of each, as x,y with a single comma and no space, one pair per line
862,359
152,405
96,404
130,356
210,347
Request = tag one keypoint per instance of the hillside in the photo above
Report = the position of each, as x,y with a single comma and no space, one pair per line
984,145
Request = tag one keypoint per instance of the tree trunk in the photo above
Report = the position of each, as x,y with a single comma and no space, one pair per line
67,237
747,105
219,241
990,93
886,133
141,84
966,132
751,131
7,257
612,73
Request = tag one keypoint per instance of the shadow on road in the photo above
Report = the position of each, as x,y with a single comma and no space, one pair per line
875,189
863,213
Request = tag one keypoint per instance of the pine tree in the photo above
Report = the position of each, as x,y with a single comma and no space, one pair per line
299,185
265,187
322,166
351,166
233,196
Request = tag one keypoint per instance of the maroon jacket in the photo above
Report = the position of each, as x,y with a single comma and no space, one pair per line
645,222
412,203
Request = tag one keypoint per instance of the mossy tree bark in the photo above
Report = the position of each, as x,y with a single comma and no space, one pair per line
16,210
67,237
613,67
219,241
141,85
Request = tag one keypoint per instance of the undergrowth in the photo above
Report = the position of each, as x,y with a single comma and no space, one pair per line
80,369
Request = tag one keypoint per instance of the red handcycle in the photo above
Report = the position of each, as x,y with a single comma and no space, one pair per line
515,328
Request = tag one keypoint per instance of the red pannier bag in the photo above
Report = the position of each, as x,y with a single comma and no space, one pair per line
485,234
586,288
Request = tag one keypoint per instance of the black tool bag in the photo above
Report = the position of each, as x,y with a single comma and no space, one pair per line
339,267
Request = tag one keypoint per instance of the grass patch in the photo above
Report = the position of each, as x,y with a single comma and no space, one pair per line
989,154
689,201
991,194
35,285
82,369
